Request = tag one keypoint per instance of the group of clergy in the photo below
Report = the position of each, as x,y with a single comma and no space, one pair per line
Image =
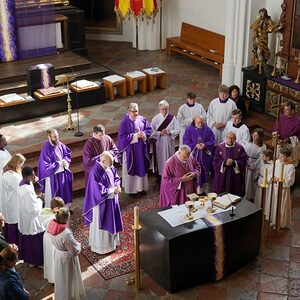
215,144
35,224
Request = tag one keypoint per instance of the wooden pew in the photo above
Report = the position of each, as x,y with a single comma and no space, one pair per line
200,44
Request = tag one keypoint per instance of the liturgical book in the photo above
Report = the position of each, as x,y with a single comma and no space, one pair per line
226,200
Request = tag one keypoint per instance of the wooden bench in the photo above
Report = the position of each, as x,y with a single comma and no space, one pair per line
200,44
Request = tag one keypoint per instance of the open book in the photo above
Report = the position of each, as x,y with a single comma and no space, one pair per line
226,200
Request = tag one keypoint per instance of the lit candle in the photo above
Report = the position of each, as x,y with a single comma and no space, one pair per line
265,177
136,217
281,172
277,44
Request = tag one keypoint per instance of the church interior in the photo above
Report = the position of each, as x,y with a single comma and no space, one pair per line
93,40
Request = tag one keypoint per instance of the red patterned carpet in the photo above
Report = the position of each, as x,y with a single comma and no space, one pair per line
121,261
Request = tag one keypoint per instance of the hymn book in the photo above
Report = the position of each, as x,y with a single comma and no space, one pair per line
226,200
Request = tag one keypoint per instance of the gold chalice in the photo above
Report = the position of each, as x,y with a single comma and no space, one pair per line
190,206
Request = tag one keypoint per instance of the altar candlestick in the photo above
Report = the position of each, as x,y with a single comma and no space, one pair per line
265,177
281,172
136,217
277,44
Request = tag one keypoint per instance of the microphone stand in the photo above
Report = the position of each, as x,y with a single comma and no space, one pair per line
232,214
78,133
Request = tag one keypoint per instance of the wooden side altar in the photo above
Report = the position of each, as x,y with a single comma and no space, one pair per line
190,254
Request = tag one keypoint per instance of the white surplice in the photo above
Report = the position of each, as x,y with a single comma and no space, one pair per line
185,116
9,196
254,151
261,166
67,279
4,159
286,205
29,211
219,113
242,133
165,145
48,248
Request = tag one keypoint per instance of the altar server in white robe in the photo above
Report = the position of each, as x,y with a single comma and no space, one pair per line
288,180
67,275
47,215
265,162
254,148
165,129
10,205
4,158
30,227
187,113
101,209
219,113
238,127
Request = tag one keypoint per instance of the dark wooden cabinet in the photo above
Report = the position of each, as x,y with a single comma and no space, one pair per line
76,25
254,87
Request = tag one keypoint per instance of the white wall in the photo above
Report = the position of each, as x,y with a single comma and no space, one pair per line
202,13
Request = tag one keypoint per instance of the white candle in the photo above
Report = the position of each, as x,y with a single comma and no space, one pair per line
136,217
265,177
281,172
277,44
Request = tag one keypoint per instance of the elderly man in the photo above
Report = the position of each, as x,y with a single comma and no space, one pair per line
238,127
288,129
219,113
94,146
101,209
200,138
164,132
178,178
53,169
230,162
187,112
133,143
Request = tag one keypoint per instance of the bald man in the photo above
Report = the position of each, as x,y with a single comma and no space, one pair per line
101,209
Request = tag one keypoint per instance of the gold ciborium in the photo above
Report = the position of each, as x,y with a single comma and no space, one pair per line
190,206
212,197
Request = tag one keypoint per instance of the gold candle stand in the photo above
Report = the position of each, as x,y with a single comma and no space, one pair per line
278,209
264,187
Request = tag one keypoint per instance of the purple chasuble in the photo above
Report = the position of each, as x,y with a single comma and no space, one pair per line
288,126
137,154
194,136
97,192
93,148
61,183
173,170
229,181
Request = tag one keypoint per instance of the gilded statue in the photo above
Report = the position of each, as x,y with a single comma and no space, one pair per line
261,28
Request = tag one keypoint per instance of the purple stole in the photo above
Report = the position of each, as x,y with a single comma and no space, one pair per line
168,119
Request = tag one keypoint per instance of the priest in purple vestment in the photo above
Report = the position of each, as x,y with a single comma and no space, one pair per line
230,162
133,143
101,209
179,177
53,169
94,146
288,129
200,138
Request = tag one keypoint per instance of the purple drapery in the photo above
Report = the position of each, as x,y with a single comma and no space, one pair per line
36,28
8,31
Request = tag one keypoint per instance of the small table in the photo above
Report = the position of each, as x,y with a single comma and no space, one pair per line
141,80
159,75
115,81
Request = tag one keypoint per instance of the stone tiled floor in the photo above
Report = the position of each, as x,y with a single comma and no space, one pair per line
275,274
